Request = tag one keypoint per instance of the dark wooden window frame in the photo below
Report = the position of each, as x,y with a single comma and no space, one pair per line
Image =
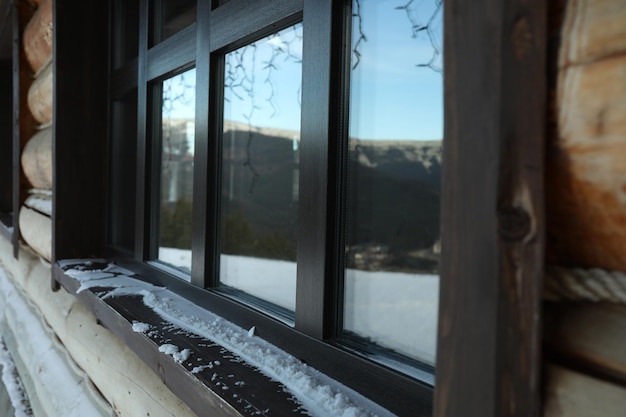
492,219
8,23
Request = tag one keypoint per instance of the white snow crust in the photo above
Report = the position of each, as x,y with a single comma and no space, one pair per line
13,383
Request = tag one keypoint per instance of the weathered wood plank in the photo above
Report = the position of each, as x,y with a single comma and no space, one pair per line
492,234
592,335
570,394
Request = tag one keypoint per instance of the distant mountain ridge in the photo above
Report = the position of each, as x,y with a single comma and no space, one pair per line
393,196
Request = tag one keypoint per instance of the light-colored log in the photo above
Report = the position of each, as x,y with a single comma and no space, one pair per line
571,394
586,167
40,97
38,36
593,334
126,382
592,29
36,230
37,160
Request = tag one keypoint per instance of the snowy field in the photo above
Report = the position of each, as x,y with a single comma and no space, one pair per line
396,310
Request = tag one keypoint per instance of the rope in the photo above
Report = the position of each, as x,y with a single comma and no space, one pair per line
578,284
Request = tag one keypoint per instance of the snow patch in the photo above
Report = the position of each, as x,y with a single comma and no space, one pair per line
139,327
173,351
13,384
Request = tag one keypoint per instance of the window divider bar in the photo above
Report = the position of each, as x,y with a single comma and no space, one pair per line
250,15
317,264
172,54
203,191
142,219
17,105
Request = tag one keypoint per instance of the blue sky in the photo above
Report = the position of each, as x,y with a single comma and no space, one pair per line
391,97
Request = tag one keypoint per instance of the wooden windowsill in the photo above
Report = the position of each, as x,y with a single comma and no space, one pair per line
225,386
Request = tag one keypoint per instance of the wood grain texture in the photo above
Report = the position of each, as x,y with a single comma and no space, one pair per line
592,30
37,160
38,36
586,173
40,96
571,394
589,335
489,356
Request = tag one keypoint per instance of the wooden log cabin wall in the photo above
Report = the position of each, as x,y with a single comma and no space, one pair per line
585,311
584,314
36,158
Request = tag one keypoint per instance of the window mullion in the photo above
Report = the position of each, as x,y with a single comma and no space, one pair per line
317,243
143,192
203,238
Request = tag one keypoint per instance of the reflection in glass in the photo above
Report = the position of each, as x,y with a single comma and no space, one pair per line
168,17
260,163
395,133
176,171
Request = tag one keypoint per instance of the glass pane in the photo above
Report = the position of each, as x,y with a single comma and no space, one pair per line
123,170
395,139
260,163
168,17
176,171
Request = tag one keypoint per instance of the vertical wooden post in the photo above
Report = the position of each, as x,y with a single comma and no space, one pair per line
80,128
488,361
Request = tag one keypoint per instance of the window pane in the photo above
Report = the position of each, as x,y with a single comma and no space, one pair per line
123,169
260,160
176,173
395,139
168,17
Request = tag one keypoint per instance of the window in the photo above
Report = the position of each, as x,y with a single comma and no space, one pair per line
283,178
492,221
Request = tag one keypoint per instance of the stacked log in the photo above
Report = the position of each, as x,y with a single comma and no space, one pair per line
38,37
40,97
36,158
586,209
586,178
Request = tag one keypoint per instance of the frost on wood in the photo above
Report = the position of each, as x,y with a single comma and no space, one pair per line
13,384
319,394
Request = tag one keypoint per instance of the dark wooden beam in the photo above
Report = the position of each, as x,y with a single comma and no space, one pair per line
488,360
80,128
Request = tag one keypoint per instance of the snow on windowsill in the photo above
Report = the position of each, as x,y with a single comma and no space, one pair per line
321,395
